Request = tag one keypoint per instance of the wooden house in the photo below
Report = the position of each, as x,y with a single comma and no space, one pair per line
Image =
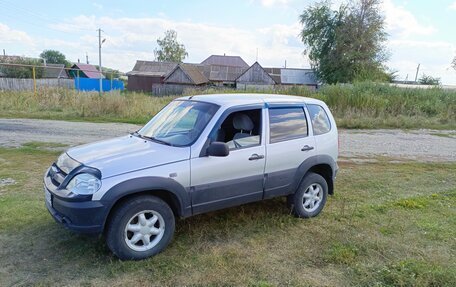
146,74
255,77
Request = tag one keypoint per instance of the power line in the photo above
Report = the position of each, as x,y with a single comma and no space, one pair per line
17,13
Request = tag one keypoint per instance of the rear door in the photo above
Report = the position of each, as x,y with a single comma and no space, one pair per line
288,145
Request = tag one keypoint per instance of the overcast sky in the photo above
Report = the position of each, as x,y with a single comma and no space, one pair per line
419,31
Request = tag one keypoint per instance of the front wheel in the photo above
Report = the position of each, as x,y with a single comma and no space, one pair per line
141,227
310,198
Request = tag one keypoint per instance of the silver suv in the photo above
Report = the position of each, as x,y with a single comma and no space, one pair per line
198,154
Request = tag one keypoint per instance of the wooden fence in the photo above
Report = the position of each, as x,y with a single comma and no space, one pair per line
171,89
12,84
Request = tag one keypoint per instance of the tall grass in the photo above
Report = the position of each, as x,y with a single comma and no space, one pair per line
72,105
362,105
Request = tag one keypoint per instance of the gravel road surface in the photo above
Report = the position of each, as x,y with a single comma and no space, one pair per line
420,145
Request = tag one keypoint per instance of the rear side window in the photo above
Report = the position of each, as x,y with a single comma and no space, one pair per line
286,124
319,118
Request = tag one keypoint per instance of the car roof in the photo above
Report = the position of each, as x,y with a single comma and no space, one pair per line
226,100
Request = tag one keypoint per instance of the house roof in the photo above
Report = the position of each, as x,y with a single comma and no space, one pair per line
192,71
152,68
255,65
231,61
55,71
89,70
275,73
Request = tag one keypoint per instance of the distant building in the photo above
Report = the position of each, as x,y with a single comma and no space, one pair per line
187,74
223,70
293,76
84,71
145,74
255,77
230,61
55,71
166,78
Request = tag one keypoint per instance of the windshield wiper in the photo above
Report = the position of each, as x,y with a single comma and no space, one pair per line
151,138
160,141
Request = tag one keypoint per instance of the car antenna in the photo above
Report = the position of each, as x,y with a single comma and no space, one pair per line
190,97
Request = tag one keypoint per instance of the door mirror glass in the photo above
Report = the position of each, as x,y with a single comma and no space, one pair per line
218,149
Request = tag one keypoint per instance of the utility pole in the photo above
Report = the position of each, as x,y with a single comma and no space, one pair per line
417,70
99,61
87,58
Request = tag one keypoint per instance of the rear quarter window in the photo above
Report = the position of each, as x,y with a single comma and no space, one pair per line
286,124
319,118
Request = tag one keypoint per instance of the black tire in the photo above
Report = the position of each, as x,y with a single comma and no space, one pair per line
115,233
314,181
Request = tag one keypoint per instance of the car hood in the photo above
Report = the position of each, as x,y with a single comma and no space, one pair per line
126,154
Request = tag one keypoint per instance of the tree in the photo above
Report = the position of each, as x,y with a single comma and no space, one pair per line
21,67
54,57
110,73
453,64
169,49
429,80
347,44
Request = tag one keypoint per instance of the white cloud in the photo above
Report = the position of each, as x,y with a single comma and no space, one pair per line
453,6
270,3
8,36
401,22
131,39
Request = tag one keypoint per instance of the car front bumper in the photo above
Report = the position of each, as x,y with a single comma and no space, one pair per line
78,216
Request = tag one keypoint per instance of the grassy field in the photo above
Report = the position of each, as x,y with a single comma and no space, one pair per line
362,105
389,224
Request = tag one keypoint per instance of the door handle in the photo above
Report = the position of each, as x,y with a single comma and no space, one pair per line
307,148
256,156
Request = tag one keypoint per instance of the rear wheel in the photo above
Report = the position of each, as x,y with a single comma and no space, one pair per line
141,227
310,198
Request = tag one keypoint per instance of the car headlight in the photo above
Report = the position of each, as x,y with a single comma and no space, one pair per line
84,184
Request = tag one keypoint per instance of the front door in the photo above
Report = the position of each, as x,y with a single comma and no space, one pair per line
220,182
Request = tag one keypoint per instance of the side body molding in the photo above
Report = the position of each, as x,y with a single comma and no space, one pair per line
151,183
276,182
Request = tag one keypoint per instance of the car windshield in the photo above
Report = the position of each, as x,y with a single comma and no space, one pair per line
179,124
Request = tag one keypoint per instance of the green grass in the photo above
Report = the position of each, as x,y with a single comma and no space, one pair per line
387,225
362,105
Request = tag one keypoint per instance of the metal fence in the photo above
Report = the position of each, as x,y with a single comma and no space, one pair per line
84,84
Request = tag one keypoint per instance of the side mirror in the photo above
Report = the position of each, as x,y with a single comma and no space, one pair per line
218,149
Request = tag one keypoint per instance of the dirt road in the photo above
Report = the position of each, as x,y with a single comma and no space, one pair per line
421,145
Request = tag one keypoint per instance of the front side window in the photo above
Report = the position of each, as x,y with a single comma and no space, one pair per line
319,118
180,123
240,129
286,124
